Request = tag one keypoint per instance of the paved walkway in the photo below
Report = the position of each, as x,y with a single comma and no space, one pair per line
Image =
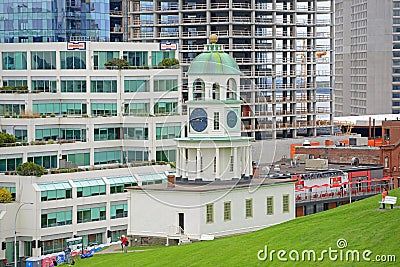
116,248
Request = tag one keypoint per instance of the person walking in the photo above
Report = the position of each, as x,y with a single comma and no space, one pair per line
67,252
124,243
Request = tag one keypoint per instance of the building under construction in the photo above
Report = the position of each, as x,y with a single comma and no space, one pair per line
283,48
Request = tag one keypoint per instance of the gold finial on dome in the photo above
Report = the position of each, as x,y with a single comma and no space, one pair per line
213,38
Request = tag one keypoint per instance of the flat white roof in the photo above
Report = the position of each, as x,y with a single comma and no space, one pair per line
364,120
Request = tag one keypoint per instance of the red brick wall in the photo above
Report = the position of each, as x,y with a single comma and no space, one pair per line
342,155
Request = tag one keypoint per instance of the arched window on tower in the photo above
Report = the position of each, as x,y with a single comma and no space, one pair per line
231,90
386,164
199,89
215,91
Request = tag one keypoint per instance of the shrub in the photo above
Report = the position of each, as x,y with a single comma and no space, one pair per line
7,138
169,62
5,195
30,168
117,63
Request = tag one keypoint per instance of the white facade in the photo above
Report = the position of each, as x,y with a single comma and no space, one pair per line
364,39
35,224
86,108
166,204
215,193
214,148
69,111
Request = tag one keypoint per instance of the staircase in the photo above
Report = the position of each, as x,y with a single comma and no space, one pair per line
177,233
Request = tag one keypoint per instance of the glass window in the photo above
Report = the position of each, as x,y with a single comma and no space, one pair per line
136,133
43,60
107,157
216,120
165,85
249,208
231,90
44,86
9,164
136,58
118,184
47,162
209,213
104,86
81,159
101,57
132,86
73,86
14,60
136,109
73,60
227,211
54,191
199,89
53,219
91,214
166,108
167,132
104,109
87,188
215,91
270,205
118,211
21,135
132,156
285,203
52,246
12,109
102,134
166,155
158,56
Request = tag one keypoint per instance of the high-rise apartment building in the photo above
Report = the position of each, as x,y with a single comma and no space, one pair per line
363,57
283,48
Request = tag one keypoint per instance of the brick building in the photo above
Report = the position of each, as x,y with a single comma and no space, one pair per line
386,155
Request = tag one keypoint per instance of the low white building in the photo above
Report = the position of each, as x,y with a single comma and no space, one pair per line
194,211
215,193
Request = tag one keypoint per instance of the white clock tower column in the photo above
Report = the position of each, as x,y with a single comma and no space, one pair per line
214,148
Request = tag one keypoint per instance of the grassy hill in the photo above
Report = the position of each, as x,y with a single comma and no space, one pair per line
361,224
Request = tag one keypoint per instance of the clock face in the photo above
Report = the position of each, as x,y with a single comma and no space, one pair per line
231,119
198,119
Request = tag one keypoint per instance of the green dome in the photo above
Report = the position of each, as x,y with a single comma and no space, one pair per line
214,63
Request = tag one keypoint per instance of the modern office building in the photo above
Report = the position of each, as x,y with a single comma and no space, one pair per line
367,72
55,207
72,113
284,48
85,113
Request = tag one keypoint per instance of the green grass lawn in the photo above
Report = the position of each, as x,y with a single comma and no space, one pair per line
361,224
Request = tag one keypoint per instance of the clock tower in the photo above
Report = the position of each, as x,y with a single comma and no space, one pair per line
214,148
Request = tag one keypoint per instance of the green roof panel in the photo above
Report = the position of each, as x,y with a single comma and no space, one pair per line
214,63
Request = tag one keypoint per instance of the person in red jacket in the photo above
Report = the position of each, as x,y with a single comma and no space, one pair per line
384,195
124,244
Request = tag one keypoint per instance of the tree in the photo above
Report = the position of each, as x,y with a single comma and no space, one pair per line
7,138
169,62
30,168
117,63
5,195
